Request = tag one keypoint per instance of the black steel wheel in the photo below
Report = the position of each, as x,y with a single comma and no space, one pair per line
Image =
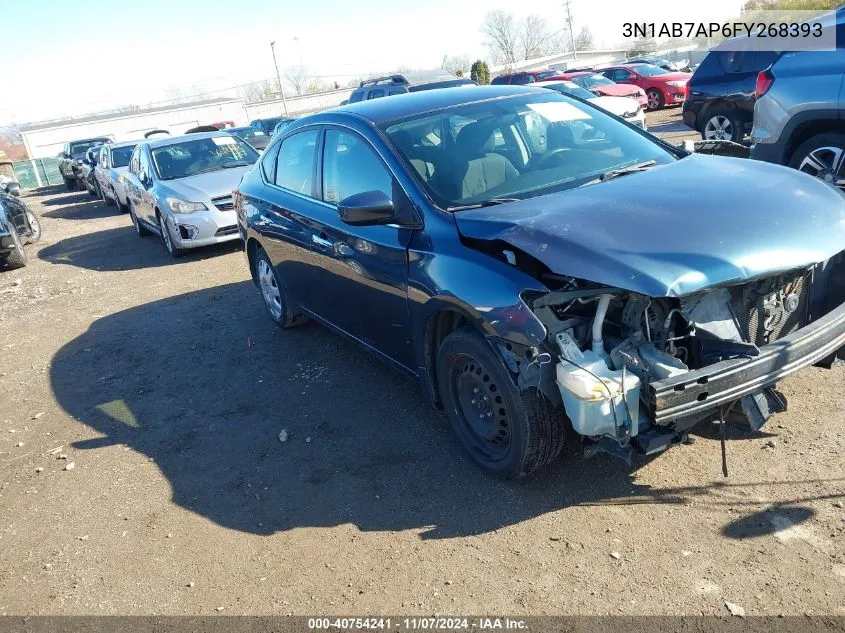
507,432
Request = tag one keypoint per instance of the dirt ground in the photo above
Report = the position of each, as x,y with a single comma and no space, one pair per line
166,387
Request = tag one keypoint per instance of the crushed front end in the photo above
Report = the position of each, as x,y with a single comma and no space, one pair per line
637,372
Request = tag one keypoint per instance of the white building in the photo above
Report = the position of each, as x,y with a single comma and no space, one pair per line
562,61
45,139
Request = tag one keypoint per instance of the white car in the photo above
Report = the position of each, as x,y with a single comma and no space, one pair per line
624,107
110,172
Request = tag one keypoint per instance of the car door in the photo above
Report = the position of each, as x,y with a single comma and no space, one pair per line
285,207
145,208
361,279
101,171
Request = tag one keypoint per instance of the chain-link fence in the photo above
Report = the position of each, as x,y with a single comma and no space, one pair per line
40,172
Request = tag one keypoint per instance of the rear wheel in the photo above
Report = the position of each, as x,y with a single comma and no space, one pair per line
17,257
508,432
822,156
279,306
655,99
723,125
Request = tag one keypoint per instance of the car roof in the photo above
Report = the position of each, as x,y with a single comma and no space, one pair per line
175,140
400,106
124,144
88,140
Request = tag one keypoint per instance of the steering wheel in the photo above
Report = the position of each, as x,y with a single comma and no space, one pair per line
547,157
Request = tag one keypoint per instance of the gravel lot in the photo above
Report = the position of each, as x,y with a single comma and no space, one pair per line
166,387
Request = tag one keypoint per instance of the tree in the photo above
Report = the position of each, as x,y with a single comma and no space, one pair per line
642,46
584,40
297,77
258,91
479,72
502,33
533,37
455,63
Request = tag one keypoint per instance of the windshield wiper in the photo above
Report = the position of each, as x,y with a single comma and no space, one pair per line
623,171
240,163
478,205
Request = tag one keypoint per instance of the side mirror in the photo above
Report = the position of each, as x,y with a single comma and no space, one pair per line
366,209
143,178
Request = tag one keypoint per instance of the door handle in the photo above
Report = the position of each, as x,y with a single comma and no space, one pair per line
319,241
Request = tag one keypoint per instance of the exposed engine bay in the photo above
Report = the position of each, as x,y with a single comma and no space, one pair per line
617,351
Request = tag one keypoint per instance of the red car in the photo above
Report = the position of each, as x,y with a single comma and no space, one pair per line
601,86
662,87
523,77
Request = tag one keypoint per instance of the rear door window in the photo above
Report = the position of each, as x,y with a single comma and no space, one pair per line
295,164
375,93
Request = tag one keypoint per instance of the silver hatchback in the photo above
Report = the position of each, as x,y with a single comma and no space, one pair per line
180,188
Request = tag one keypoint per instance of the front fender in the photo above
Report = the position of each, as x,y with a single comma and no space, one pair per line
485,291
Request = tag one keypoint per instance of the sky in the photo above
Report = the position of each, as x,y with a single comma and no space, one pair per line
64,58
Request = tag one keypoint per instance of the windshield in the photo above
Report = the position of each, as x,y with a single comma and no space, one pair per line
268,124
517,147
592,81
648,70
82,147
120,156
546,74
187,158
569,88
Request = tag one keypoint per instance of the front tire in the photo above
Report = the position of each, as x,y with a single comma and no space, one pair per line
140,229
723,125
509,433
106,200
656,101
16,258
822,156
35,225
276,299
167,239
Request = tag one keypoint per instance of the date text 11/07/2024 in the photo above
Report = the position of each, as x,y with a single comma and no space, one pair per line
438,623
728,30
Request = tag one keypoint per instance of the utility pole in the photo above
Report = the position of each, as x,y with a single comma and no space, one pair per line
571,29
279,77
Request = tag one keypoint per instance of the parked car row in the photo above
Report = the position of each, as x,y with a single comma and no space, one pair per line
654,86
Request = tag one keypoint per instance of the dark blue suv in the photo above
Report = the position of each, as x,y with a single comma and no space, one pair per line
537,263
720,94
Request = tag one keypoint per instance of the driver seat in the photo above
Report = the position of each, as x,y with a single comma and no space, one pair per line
480,168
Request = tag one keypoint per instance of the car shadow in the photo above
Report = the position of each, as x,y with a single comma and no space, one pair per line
203,384
673,126
70,198
86,209
121,249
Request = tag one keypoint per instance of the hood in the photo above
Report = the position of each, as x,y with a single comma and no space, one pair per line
700,222
618,90
672,77
202,187
616,105
120,170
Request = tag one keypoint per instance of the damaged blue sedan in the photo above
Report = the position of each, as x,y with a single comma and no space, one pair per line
537,264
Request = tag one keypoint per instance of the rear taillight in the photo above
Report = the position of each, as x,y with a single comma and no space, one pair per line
765,79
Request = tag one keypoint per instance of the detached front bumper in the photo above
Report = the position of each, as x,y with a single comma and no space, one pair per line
702,390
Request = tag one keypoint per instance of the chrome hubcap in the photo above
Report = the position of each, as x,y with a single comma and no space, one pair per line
826,163
718,128
270,289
